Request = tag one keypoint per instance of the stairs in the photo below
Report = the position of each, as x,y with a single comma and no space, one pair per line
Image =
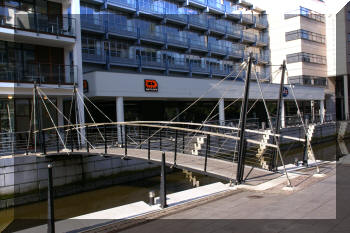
262,149
197,144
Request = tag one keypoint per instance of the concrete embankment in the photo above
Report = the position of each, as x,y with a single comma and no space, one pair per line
23,179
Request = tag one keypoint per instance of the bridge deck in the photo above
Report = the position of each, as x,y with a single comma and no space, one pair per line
215,167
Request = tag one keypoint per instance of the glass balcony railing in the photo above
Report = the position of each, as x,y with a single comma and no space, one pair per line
146,34
247,36
247,18
153,62
198,20
124,3
202,2
122,29
216,48
261,22
196,43
40,73
235,52
94,57
199,68
126,61
216,26
157,7
180,17
179,64
29,21
234,31
216,4
220,70
93,22
262,40
177,39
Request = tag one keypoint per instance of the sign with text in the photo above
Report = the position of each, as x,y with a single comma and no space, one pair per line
151,85
285,92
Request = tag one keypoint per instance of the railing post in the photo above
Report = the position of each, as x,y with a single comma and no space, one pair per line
207,149
160,139
163,203
87,139
149,144
71,139
105,137
126,140
44,144
50,206
175,148
57,141
305,157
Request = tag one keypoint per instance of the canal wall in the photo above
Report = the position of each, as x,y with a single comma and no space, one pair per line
23,179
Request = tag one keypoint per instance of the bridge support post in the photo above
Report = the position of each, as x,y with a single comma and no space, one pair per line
221,112
322,112
280,108
243,119
149,144
162,197
175,148
126,140
50,206
206,153
120,117
105,137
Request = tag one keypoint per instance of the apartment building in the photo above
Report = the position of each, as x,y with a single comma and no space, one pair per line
39,43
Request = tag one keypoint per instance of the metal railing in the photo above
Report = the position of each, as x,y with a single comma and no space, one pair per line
93,22
125,3
59,25
40,73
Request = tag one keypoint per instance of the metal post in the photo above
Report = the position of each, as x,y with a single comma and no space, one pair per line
306,144
243,119
160,139
149,144
243,158
163,183
71,138
38,116
121,135
175,148
50,204
87,139
272,165
206,153
43,145
57,142
105,137
126,140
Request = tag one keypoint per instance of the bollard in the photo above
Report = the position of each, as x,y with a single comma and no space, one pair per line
151,196
163,183
50,204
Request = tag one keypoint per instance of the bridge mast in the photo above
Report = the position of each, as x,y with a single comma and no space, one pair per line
243,119
278,117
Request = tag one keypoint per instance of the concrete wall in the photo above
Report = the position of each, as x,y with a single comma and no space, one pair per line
22,176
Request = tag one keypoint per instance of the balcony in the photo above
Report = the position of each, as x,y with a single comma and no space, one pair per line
151,36
214,48
156,9
179,65
247,19
235,52
178,18
124,31
262,41
199,68
233,12
248,37
215,6
261,23
219,71
197,45
123,61
27,25
198,21
97,57
217,27
176,40
153,63
263,59
233,32
40,73
93,23
126,5
202,4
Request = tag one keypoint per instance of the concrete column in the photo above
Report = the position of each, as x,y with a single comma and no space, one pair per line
283,115
78,64
322,111
222,112
120,116
346,97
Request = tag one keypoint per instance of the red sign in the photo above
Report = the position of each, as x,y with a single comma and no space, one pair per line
151,85
85,86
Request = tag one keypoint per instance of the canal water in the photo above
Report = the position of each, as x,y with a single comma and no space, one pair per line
104,198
